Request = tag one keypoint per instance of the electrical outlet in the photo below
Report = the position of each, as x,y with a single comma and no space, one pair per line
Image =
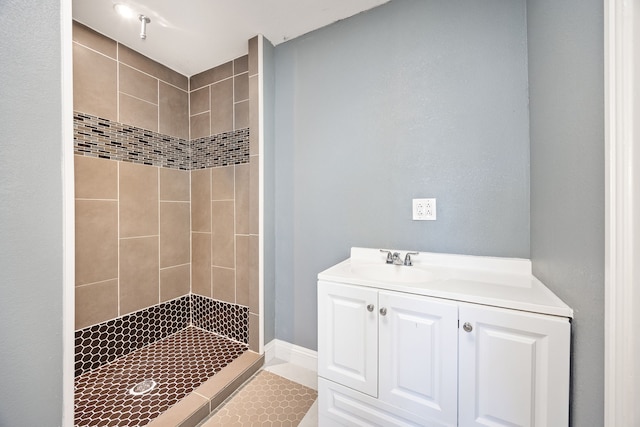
424,209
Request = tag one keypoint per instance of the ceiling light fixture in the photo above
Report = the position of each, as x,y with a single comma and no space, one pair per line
126,12
144,20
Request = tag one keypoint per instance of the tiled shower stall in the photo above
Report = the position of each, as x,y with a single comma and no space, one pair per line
166,182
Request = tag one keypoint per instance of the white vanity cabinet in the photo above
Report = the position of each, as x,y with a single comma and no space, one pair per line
395,355
390,347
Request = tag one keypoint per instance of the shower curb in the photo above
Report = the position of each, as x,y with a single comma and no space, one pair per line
196,406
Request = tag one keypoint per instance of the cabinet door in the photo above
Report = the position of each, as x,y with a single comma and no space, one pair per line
348,336
418,356
514,368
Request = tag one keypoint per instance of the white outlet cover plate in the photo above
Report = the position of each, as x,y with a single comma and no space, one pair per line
424,209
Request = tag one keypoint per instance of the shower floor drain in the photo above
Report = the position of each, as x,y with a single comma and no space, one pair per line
143,388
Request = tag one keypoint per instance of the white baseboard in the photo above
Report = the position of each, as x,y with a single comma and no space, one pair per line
301,356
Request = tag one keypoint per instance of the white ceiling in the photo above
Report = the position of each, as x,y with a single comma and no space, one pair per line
191,36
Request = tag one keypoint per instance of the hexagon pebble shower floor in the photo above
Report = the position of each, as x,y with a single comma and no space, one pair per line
267,400
178,364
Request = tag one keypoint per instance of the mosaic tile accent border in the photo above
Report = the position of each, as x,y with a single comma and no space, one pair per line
97,137
223,318
103,343
223,149
100,344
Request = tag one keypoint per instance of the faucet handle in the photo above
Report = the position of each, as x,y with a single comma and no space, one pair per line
389,256
407,258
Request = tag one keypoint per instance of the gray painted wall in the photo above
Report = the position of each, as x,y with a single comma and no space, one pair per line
30,214
412,99
566,85
269,211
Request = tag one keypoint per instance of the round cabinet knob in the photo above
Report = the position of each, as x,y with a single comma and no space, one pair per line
467,327
383,311
370,307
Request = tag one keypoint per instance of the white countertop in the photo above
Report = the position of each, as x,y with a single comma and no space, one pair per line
499,282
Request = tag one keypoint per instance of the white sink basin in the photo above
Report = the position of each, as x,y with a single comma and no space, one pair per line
391,273
498,282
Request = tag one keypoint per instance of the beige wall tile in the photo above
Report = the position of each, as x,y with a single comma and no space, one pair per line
138,200
138,84
254,271
95,178
96,241
241,87
174,185
140,192
241,64
223,284
201,200
149,66
174,233
253,56
254,99
174,111
139,274
242,270
174,282
200,125
241,115
212,75
138,113
254,332
199,100
96,303
94,83
222,183
254,227
94,40
222,235
242,181
222,107
201,263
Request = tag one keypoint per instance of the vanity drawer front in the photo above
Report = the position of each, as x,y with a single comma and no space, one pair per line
342,406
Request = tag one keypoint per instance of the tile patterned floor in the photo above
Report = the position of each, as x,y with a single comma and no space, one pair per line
267,400
307,376
179,364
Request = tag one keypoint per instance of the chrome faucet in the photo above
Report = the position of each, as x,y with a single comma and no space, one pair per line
394,258
389,256
407,258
